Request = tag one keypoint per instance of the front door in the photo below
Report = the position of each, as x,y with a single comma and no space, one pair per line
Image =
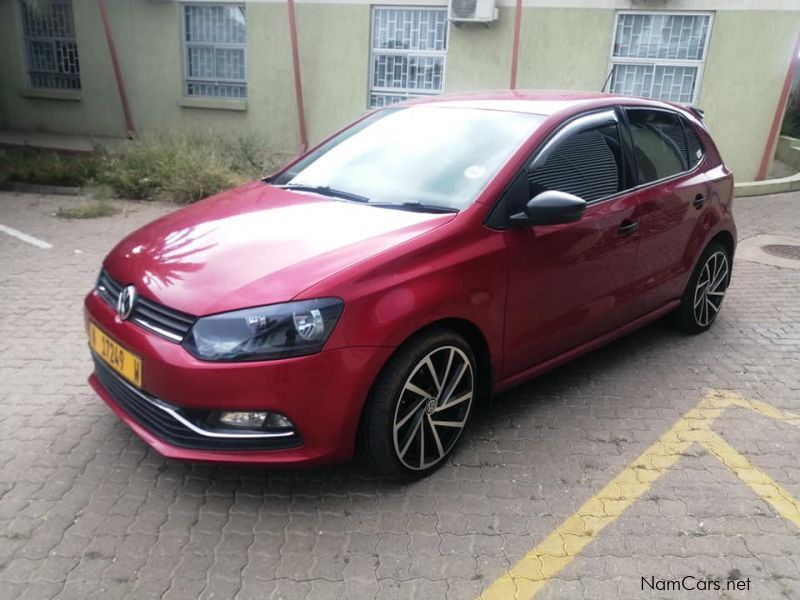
571,283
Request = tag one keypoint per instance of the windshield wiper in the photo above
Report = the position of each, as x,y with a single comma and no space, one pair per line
324,190
415,206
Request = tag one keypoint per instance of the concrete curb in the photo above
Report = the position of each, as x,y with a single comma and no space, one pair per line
35,188
788,151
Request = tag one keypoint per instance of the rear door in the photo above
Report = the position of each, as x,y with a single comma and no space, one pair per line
672,195
570,283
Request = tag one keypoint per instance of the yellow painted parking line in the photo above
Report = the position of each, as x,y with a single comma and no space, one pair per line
763,409
758,481
553,554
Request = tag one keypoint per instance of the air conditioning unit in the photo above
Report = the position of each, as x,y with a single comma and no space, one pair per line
472,11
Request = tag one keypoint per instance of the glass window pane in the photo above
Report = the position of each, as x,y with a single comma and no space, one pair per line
215,40
631,80
409,45
694,147
587,164
200,62
51,48
661,36
658,142
674,84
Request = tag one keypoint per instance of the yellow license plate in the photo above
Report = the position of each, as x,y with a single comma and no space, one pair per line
123,362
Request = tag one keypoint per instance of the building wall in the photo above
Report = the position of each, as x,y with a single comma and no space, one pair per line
563,45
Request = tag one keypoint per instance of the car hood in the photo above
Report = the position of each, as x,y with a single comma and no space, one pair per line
254,245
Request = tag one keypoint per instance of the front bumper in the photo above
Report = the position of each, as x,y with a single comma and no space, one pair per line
322,394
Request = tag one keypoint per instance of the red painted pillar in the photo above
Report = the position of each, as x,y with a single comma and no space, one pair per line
777,120
515,47
298,82
112,50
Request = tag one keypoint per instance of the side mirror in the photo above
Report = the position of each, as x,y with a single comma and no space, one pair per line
550,208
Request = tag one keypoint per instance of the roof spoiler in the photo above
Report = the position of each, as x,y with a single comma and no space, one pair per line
697,112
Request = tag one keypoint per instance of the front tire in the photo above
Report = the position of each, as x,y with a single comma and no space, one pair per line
702,299
419,406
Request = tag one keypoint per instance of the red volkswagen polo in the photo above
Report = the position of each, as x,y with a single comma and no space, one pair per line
365,298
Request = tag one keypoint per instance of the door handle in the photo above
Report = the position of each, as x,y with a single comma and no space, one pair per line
628,227
699,200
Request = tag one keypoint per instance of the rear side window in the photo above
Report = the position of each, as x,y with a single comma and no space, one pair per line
659,142
587,164
694,147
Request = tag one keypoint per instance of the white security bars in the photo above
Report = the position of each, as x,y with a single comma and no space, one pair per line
214,50
408,53
659,55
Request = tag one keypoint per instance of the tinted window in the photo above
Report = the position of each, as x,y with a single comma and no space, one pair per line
659,143
587,164
694,147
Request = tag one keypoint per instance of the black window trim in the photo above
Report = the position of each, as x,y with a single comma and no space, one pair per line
681,118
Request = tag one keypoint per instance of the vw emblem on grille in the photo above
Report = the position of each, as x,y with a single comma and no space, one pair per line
125,302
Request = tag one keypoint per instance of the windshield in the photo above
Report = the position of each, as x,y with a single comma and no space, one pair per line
422,155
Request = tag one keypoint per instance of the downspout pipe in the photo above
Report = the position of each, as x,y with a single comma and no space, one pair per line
112,50
777,120
298,82
515,48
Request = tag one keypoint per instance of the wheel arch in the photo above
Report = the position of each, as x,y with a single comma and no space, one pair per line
725,238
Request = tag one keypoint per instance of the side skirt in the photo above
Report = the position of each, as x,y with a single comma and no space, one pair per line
597,342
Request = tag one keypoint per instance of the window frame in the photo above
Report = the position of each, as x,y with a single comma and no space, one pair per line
408,92
662,62
185,45
28,66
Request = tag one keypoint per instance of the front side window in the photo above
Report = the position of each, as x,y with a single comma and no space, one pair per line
587,164
409,46
422,155
50,45
659,142
214,50
659,55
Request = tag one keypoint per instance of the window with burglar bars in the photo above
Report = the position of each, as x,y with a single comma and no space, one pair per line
50,45
659,55
409,48
214,50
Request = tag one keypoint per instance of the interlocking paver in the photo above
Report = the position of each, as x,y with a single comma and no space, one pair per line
87,510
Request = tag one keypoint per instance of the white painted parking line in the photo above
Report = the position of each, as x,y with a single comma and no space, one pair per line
25,237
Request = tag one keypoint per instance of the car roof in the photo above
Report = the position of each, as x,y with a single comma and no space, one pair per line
540,102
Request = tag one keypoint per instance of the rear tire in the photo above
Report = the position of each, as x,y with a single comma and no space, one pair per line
419,406
702,299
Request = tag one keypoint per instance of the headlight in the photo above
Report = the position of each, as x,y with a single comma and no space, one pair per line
265,332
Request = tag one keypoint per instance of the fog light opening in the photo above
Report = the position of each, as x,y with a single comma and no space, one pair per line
254,420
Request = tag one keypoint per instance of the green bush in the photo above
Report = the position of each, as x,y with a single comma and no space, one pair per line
30,165
185,168
174,166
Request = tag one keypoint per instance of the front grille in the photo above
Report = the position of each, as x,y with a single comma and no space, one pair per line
169,323
155,416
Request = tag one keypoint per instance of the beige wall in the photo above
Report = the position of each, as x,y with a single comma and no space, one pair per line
563,45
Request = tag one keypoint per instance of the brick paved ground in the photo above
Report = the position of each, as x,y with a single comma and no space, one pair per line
88,511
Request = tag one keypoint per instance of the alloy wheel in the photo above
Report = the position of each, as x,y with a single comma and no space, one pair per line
433,407
710,289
